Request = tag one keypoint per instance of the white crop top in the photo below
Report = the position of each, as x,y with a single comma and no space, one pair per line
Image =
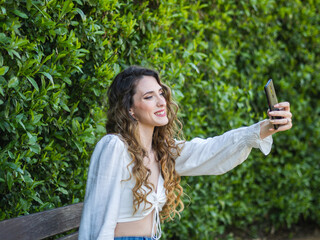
109,200
158,199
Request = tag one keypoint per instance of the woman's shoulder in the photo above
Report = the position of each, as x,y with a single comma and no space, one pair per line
112,140
109,148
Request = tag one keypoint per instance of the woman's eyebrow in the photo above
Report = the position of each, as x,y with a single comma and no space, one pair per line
149,92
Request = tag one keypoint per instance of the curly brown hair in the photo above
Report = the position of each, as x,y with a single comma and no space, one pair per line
119,121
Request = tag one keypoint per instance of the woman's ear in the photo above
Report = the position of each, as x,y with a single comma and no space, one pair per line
132,114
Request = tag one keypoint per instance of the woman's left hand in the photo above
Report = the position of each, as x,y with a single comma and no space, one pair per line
285,123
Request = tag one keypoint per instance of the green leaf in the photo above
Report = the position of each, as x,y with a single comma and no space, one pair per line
60,55
59,135
35,148
99,32
24,204
116,68
29,4
20,116
15,167
37,118
75,125
1,91
78,145
83,16
4,39
36,183
21,42
64,106
20,14
32,138
33,82
67,80
27,179
61,31
37,199
11,155
62,190
67,6
3,10
47,58
89,139
13,82
9,180
3,70
13,52
77,67
48,75
194,67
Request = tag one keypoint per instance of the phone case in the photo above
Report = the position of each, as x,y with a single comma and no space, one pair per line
272,98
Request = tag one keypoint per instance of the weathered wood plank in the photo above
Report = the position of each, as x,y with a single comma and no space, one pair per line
43,224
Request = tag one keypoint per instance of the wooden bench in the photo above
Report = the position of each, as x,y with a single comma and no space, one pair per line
43,224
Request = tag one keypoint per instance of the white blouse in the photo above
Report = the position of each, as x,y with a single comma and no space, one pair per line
109,200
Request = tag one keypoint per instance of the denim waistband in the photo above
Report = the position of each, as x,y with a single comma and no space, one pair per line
132,238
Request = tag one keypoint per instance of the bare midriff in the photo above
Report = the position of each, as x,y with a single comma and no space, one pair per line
138,228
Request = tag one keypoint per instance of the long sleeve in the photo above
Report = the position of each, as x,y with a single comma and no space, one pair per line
217,155
103,190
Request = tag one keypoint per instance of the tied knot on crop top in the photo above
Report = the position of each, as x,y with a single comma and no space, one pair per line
156,198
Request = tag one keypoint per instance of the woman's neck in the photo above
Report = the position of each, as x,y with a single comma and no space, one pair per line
146,135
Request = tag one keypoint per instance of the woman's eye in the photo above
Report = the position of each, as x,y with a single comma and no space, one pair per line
162,94
149,97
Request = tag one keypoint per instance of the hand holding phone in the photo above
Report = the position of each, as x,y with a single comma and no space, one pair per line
272,99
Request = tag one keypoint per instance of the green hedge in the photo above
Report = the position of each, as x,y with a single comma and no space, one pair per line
58,57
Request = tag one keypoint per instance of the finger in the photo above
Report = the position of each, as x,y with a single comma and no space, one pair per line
282,121
268,113
284,127
285,114
283,105
283,124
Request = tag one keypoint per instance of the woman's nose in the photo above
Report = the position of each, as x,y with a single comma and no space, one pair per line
161,101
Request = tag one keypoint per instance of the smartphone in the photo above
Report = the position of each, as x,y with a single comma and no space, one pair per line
272,99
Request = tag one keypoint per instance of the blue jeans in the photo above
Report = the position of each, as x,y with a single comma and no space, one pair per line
132,238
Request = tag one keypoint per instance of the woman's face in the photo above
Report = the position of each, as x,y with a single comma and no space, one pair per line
149,103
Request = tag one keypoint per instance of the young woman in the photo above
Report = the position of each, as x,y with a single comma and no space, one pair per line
134,174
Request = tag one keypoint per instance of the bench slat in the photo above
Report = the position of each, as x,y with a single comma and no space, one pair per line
43,224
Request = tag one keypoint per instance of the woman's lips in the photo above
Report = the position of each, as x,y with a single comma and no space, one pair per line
161,113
